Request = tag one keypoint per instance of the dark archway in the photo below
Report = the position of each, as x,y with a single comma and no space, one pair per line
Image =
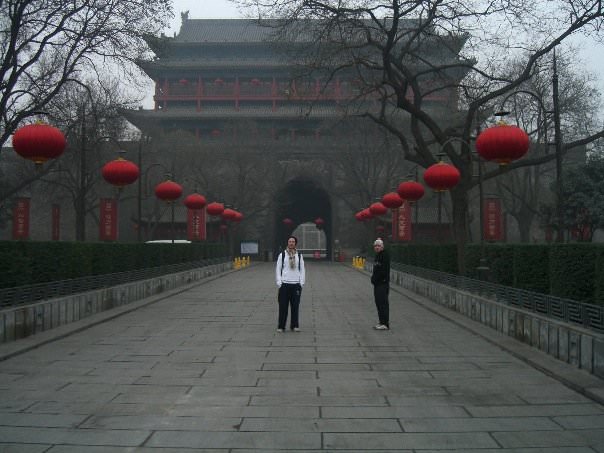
302,201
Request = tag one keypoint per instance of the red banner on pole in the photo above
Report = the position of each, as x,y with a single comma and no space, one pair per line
56,222
196,224
492,221
108,220
21,219
403,226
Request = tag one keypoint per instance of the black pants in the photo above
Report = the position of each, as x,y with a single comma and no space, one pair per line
380,293
289,294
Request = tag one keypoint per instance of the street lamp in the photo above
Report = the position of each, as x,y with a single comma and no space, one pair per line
169,191
441,177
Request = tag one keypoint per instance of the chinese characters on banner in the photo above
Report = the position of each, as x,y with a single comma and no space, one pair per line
108,220
401,222
56,222
492,222
21,219
196,224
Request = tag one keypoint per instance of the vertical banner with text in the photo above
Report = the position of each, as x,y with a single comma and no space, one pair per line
56,222
21,219
404,227
492,222
108,220
196,224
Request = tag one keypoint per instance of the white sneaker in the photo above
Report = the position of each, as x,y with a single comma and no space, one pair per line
280,330
296,329
381,327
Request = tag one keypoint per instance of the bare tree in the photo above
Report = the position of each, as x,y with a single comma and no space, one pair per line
46,43
410,53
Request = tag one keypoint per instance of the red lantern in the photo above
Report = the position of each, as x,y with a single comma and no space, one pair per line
39,142
378,209
183,81
441,176
410,190
359,216
238,217
195,201
215,208
168,191
223,227
367,215
392,200
228,214
288,222
502,143
255,82
319,222
120,172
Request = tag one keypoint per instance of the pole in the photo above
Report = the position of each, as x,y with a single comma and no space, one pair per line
440,233
558,141
139,197
172,222
81,233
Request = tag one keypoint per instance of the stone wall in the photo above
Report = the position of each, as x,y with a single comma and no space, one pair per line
567,342
23,321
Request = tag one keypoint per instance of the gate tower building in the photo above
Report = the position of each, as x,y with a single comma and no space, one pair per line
271,136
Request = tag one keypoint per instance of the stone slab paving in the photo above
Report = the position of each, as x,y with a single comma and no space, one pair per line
204,369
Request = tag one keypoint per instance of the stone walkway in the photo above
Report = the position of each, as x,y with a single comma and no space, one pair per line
203,369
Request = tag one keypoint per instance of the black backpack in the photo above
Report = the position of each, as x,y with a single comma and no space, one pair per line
283,260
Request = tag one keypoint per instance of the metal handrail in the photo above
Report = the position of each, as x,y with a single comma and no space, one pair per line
22,295
588,315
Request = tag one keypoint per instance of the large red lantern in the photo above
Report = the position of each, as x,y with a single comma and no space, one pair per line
215,208
502,143
195,201
441,176
39,142
120,172
392,200
378,209
410,190
168,191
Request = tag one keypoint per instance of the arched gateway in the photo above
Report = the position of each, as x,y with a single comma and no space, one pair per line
232,115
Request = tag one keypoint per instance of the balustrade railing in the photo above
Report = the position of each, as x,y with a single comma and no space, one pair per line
588,315
22,295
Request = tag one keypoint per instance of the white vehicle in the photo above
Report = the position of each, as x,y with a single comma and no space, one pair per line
168,241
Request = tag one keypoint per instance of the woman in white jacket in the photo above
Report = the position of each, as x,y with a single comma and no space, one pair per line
290,277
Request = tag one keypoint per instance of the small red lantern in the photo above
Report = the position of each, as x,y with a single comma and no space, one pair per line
319,222
392,200
288,222
359,216
195,201
441,176
120,172
183,81
410,190
378,209
39,142
215,208
502,143
219,82
255,82
238,217
367,214
228,214
168,191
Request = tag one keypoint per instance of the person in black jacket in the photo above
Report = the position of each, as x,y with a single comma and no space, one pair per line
380,278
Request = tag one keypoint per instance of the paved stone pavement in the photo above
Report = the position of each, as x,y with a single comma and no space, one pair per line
203,369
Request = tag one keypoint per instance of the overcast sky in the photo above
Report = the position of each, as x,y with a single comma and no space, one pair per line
591,54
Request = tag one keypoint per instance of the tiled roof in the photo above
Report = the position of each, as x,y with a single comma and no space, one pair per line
224,30
214,111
